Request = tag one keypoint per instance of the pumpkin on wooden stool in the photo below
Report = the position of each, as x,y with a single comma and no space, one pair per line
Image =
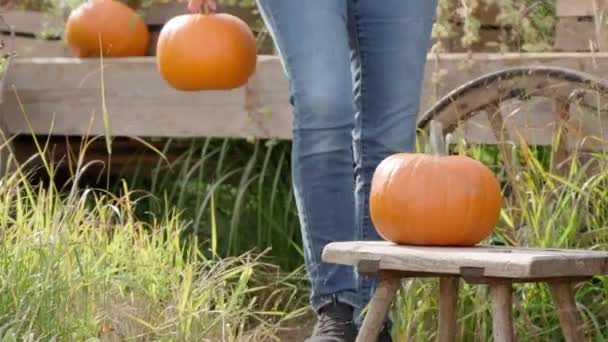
206,51
422,199
106,26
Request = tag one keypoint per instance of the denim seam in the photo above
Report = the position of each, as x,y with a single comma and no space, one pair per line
267,14
362,212
362,105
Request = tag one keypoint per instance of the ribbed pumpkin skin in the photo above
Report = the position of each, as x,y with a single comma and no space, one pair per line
417,199
123,32
206,52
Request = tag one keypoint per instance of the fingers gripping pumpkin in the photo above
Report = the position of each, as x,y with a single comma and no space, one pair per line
215,51
122,31
420,199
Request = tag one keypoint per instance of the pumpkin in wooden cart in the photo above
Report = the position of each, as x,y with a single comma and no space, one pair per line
206,51
422,199
106,26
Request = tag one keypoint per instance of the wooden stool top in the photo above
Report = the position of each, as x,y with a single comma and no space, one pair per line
478,261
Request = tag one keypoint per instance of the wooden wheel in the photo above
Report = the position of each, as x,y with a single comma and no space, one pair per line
569,92
563,87
489,91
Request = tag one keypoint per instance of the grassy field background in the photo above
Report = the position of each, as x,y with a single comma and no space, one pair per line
210,246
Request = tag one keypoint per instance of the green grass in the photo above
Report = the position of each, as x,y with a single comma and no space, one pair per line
250,184
79,264
172,253
176,251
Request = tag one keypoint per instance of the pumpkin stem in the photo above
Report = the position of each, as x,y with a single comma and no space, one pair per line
437,140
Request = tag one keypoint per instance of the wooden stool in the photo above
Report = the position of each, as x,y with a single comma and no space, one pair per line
498,267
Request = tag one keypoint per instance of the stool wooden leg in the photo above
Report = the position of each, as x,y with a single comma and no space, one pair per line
448,301
378,309
563,297
502,312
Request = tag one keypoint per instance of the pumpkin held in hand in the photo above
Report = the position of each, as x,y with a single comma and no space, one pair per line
214,51
423,199
122,31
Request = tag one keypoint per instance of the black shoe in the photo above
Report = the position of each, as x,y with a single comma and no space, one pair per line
334,324
385,335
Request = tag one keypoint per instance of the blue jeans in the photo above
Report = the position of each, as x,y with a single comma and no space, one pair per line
355,69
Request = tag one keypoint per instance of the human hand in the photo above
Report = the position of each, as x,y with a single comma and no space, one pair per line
194,6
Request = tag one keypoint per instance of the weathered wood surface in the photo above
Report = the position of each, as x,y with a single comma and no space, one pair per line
563,298
139,102
576,34
378,309
501,296
32,47
581,25
580,8
499,262
30,22
448,308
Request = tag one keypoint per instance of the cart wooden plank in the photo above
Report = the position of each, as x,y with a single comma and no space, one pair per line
580,8
31,22
572,34
64,93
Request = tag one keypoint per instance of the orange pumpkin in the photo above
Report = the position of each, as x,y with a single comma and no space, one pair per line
419,199
122,31
214,51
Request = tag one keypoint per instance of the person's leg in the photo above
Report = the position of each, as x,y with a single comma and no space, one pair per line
392,40
312,39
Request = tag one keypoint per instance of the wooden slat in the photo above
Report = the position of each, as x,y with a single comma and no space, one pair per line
579,8
141,103
378,309
30,22
33,47
574,34
501,296
563,298
448,308
500,262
